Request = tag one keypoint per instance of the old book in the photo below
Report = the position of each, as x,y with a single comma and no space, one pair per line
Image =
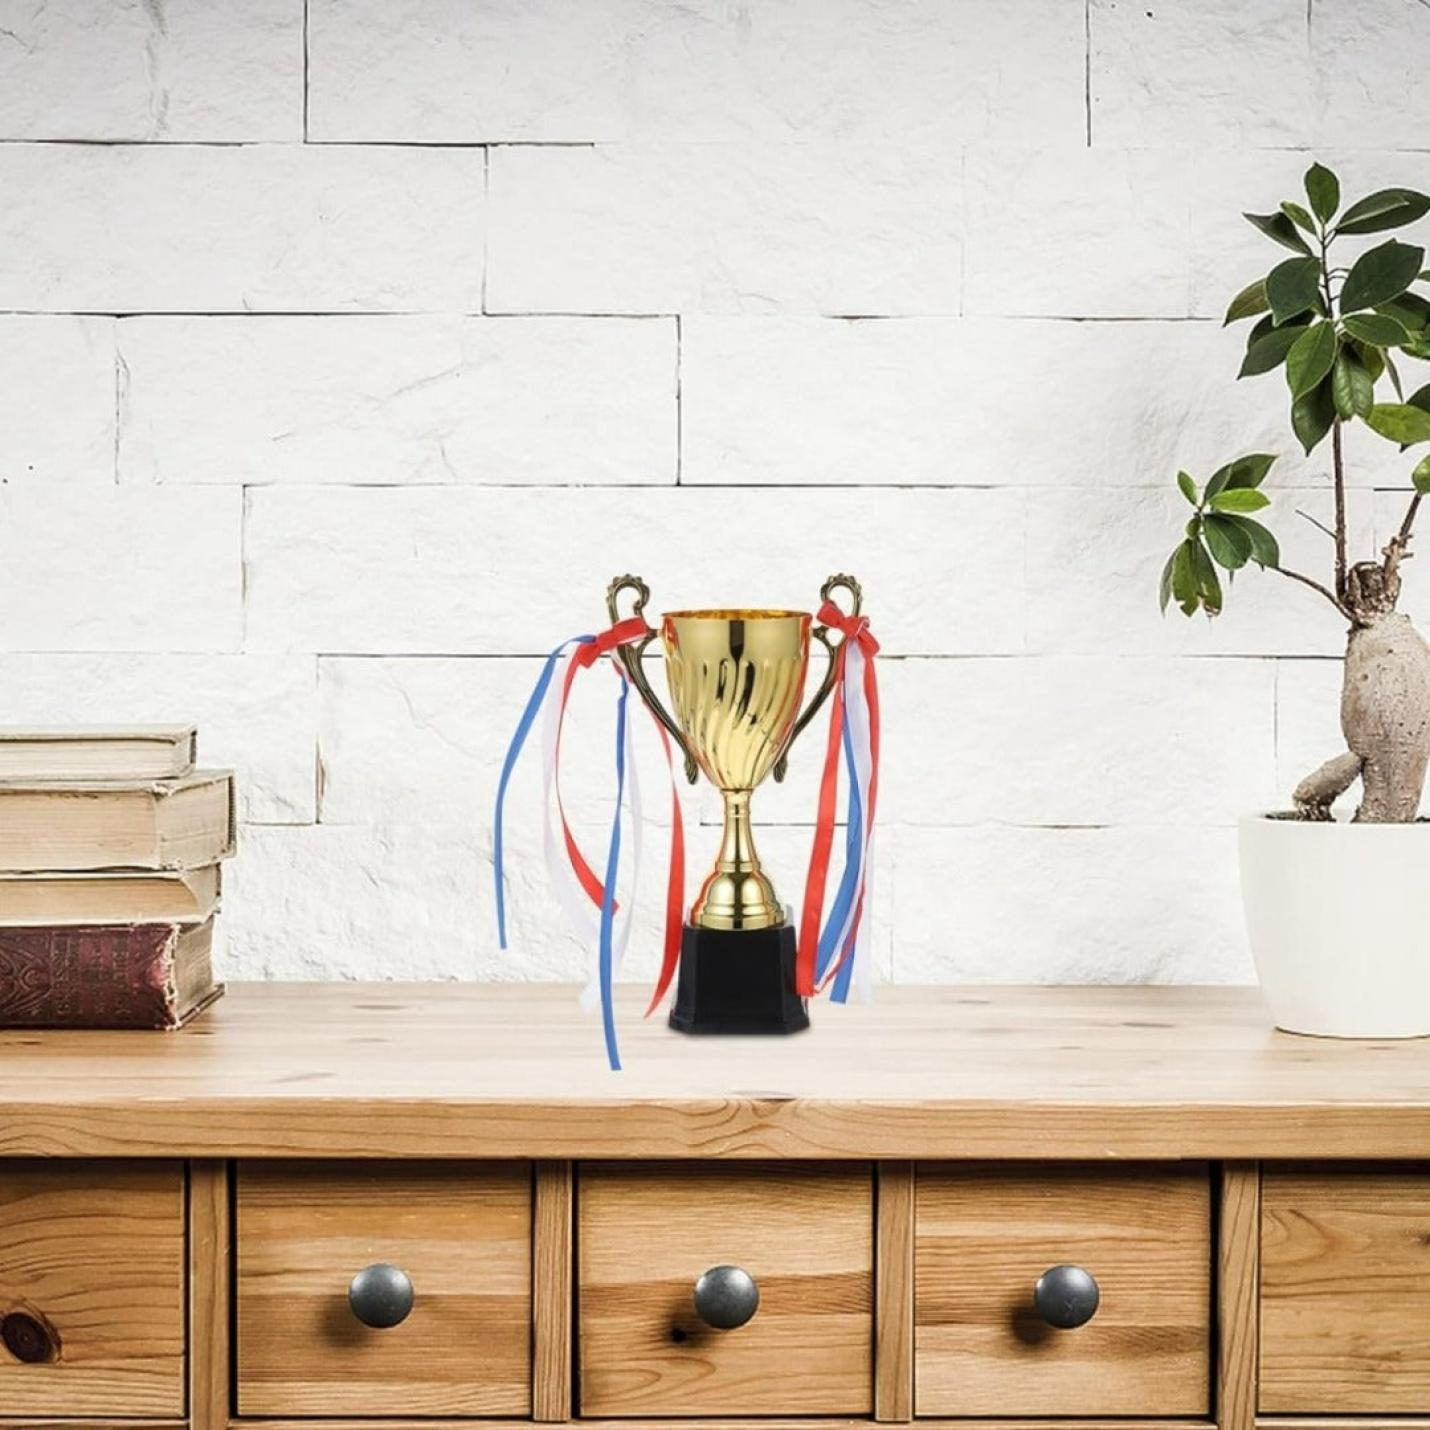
183,823
138,752
177,896
93,976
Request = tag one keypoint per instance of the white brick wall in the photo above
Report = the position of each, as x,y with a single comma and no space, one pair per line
347,350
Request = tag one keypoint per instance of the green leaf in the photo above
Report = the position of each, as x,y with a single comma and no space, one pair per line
1373,359
1248,303
1164,586
1270,352
1324,191
1311,416
1380,274
1420,398
1188,486
1400,422
1277,226
1394,372
1298,216
1241,499
1248,471
1386,208
1208,582
1421,475
1310,357
1229,545
1351,387
1184,577
1293,287
1375,328
1410,310
1264,550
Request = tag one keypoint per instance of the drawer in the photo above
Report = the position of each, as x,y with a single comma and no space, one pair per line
1345,1291
982,1239
460,1233
91,1289
646,1235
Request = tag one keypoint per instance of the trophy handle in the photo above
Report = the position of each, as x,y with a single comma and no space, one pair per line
821,634
630,659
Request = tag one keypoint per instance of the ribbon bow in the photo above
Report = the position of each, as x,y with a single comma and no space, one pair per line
582,653
839,950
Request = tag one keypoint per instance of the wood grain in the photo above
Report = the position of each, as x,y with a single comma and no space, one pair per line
894,1297
553,1254
470,1071
983,1236
210,1284
645,1235
95,1252
461,1233
1238,1276
1345,1291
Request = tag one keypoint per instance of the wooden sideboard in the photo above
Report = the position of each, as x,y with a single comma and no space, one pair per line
1239,1219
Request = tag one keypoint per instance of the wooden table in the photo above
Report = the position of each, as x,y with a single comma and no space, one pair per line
182,1216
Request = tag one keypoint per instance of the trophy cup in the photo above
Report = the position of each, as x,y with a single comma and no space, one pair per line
736,680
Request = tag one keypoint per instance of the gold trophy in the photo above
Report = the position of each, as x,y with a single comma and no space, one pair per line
736,680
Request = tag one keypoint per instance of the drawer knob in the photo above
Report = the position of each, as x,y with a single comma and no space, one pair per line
1066,1297
380,1296
726,1297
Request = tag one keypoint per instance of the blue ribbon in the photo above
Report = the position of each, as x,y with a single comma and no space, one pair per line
848,880
523,729
608,897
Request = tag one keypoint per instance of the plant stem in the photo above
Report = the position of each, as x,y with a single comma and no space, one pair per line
1395,551
1338,466
1315,586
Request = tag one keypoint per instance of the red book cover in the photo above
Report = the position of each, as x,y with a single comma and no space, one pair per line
94,977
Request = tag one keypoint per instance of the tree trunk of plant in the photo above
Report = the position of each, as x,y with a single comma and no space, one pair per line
1385,717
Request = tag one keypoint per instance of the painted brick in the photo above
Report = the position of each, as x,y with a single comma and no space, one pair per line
1116,248
453,570
1183,72
57,399
1363,53
726,228
1308,725
927,73
103,568
999,905
917,401
252,228
257,714
399,399
211,70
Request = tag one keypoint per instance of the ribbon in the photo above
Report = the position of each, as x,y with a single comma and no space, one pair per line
838,951
576,884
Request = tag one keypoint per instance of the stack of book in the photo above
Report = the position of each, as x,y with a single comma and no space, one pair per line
110,846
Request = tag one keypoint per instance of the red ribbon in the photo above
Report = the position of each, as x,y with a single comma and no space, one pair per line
852,628
586,654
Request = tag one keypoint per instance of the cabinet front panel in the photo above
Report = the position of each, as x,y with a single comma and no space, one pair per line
804,1234
460,1234
984,1237
1345,1291
91,1289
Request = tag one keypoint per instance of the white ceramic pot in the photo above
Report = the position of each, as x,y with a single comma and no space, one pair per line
1339,918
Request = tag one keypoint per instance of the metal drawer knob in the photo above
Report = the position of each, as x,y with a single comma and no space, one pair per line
1066,1297
380,1296
726,1297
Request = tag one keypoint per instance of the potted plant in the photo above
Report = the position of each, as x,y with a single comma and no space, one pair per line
1338,911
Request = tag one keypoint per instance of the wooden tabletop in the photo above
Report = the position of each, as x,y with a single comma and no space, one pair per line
465,1070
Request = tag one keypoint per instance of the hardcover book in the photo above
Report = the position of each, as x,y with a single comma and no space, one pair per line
182,823
94,976
138,752
178,896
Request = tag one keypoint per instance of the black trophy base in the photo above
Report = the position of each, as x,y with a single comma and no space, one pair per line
737,981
